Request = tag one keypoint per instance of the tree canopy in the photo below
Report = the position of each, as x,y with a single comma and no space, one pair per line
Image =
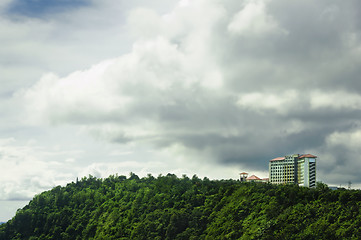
168,207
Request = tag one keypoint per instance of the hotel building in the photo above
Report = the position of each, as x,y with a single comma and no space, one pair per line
296,168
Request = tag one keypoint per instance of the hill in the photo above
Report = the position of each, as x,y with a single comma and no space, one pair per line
168,207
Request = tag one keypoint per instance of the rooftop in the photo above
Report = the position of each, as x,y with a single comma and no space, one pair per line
278,159
301,156
253,177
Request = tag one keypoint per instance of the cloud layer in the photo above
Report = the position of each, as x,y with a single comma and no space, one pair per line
235,82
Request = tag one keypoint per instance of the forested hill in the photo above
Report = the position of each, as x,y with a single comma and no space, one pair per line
168,207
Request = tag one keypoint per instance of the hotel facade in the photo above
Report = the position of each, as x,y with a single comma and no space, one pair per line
296,169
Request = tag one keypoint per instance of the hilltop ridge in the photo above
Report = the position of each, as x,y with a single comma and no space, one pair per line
168,207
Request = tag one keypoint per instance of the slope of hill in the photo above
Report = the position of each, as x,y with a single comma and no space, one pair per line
168,207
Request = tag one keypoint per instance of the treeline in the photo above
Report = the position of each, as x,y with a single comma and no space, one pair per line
168,207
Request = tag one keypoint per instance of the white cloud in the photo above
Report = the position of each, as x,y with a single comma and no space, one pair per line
145,23
79,93
124,95
282,102
27,170
336,100
293,100
350,140
253,20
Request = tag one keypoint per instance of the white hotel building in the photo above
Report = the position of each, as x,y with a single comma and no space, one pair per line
296,168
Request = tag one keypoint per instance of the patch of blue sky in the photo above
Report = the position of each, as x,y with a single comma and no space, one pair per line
42,8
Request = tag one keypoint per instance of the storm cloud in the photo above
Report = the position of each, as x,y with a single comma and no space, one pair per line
244,82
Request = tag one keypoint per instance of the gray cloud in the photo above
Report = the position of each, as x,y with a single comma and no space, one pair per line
243,84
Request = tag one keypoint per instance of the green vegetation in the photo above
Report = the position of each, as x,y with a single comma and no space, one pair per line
168,207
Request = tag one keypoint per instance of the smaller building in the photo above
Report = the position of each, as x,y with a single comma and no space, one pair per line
244,178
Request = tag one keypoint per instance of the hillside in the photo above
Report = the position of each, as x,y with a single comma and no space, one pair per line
168,207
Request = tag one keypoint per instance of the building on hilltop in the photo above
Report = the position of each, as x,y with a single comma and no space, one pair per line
244,178
296,168
254,178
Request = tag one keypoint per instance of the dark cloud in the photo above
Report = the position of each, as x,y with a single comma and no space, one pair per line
314,47
42,8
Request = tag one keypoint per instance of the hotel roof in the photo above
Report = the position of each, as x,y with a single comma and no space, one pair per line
278,159
301,156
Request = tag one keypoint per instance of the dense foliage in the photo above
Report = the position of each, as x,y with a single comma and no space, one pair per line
168,207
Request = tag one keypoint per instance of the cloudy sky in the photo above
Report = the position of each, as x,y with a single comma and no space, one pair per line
206,87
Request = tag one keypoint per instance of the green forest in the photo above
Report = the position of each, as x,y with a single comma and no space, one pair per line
169,207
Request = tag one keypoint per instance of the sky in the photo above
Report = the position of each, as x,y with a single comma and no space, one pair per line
205,87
